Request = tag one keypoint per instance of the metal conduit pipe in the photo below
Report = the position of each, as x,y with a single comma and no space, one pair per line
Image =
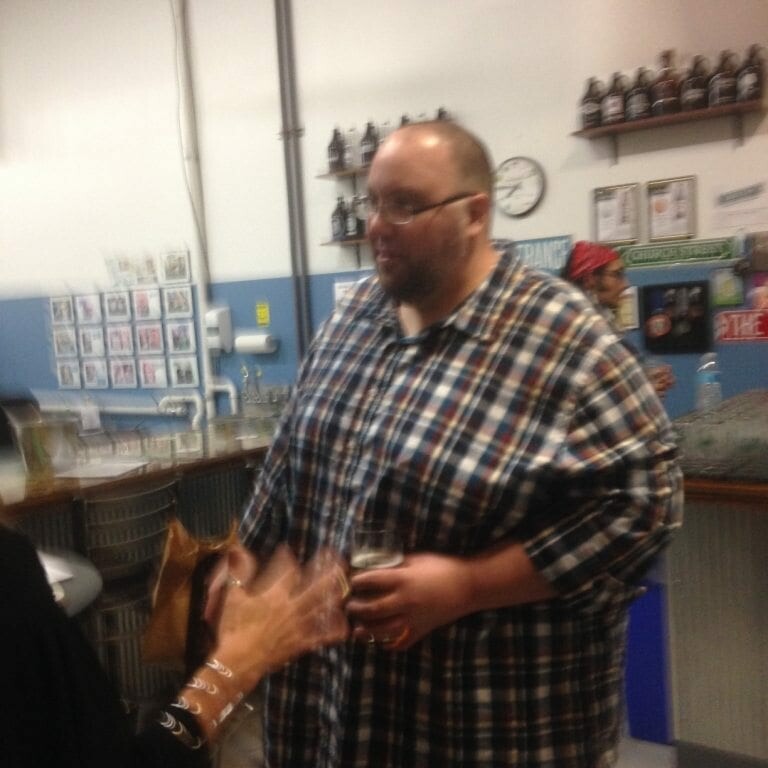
190,146
291,134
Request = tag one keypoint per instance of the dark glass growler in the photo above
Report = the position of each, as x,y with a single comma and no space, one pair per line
638,103
590,104
693,88
339,220
749,80
722,84
665,99
612,105
369,144
336,152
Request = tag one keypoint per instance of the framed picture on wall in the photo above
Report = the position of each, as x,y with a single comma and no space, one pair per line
119,340
177,301
672,209
91,340
152,373
68,374
123,374
88,309
183,371
95,374
146,304
676,317
64,341
149,338
62,312
180,335
628,313
615,214
117,306
174,267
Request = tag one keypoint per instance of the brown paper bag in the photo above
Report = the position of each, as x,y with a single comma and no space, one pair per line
176,635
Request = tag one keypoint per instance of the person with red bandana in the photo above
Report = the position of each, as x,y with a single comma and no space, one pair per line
601,275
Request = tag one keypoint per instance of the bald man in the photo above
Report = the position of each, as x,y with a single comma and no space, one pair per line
482,411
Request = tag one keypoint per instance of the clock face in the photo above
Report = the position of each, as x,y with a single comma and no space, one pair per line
519,186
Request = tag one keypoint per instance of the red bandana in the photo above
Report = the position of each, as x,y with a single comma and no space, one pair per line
587,257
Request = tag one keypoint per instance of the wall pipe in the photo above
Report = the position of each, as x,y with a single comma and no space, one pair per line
190,146
291,135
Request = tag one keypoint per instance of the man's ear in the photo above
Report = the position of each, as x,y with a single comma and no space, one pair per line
479,208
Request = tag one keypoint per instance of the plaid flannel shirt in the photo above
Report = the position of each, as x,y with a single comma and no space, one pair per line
521,417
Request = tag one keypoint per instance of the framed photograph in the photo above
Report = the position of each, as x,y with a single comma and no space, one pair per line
123,374
675,318
88,309
64,341
183,371
152,373
180,335
62,312
672,209
91,340
68,374
146,270
727,287
177,301
146,304
95,374
174,267
119,340
628,313
149,338
117,306
615,211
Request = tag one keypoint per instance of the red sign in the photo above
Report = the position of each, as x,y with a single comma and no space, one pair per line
742,325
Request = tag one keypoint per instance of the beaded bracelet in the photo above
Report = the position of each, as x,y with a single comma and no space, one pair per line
179,730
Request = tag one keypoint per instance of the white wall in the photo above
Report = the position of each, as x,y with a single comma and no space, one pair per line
90,163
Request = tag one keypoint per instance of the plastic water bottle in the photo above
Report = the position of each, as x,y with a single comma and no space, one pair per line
708,392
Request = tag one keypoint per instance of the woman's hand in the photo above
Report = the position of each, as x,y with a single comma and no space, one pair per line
285,611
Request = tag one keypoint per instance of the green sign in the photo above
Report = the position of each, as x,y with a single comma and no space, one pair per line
655,254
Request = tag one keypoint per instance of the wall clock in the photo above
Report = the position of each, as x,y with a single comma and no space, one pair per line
519,186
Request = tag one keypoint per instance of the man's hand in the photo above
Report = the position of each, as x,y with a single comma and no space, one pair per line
397,607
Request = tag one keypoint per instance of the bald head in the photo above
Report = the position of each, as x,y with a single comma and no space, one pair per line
470,157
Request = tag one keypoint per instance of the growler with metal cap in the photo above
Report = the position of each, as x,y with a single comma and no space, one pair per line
749,80
722,84
693,88
590,104
665,99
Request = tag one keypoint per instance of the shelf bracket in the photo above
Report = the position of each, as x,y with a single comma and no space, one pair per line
614,149
738,123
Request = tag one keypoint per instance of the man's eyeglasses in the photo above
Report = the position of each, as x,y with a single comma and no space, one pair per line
619,274
396,212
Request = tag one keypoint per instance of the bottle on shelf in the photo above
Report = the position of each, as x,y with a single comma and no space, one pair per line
612,105
708,391
749,79
443,114
590,104
665,98
336,152
722,84
339,219
693,87
352,149
404,120
638,102
350,222
369,143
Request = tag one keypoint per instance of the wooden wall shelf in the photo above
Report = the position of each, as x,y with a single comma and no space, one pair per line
736,111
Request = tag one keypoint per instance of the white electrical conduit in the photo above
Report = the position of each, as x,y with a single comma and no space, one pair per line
193,178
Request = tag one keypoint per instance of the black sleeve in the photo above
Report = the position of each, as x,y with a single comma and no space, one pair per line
57,706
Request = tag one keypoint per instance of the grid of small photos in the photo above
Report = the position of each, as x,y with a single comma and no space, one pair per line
129,337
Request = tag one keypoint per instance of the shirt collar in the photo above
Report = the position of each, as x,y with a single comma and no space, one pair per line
473,317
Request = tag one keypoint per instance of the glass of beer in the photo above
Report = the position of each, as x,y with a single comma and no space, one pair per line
375,545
